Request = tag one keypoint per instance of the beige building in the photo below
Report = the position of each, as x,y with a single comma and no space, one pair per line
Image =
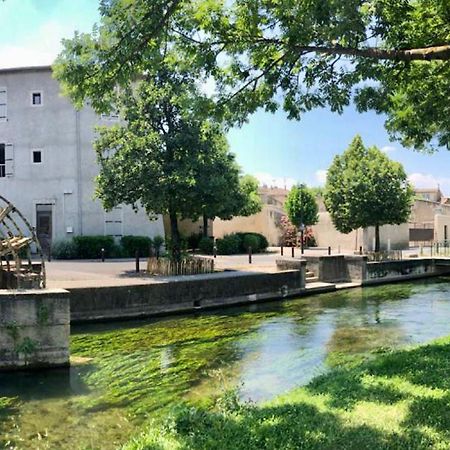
265,222
392,237
430,217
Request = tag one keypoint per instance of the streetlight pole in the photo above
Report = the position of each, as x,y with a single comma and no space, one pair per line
302,231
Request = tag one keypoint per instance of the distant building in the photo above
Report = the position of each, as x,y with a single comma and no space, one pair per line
48,165
430,217
265,222
392,237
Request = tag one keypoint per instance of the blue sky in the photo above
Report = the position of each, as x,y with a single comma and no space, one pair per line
275,149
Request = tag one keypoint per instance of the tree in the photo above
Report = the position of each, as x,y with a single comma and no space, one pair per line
365,188
222,191
156,156
390,56
301,208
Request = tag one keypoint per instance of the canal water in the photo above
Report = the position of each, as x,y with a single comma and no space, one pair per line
124,374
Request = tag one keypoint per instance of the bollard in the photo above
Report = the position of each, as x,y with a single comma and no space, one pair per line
292,251
137,261
360,249
329,251
431,249
103,255
437,248
249,254
282,250
215,251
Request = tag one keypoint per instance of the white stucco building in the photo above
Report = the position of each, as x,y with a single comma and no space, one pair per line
48,165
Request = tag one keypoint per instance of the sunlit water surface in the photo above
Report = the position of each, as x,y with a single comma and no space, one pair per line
122,374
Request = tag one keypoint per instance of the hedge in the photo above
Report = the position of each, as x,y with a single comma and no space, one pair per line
90,247
132,244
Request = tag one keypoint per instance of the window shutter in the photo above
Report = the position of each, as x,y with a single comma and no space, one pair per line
9,160
3,103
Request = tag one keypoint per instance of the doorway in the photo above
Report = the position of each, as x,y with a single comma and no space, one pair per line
44,226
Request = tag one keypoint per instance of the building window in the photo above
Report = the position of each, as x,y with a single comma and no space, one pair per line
36,98
2,161
114,222
113,116
37,156
3,104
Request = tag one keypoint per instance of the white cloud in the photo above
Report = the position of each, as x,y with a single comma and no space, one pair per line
39,48
388,149
422,180
272,181
321,176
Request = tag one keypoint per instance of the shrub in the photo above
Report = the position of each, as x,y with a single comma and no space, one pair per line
64,249
131,244
250,240
309,238
158,242
260,246
288,232
183,246
193,240
229,244
90,247
206,245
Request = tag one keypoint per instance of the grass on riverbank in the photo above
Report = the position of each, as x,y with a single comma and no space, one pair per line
399,400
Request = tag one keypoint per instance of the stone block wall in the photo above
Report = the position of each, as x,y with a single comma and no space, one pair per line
183,295
34,329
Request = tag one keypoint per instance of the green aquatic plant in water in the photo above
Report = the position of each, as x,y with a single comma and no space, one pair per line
399,400
144,371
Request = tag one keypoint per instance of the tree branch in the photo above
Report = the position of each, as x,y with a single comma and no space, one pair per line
437,53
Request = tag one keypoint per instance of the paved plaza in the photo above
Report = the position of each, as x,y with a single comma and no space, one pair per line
121,272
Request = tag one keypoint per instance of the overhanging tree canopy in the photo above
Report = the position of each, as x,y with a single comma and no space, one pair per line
390,56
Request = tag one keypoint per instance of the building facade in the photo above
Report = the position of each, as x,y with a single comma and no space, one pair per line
266,222
48,165
430,217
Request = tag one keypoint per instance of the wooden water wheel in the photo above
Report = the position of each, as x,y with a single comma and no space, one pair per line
17,243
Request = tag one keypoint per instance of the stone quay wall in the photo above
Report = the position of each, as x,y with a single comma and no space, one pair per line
356,269
34,329
186,294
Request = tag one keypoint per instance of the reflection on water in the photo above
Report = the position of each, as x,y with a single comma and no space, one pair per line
122,374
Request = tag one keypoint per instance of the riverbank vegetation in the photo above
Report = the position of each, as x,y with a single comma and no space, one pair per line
398,400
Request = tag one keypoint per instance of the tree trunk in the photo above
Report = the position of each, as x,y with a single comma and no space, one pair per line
175,237
205,226
377,238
